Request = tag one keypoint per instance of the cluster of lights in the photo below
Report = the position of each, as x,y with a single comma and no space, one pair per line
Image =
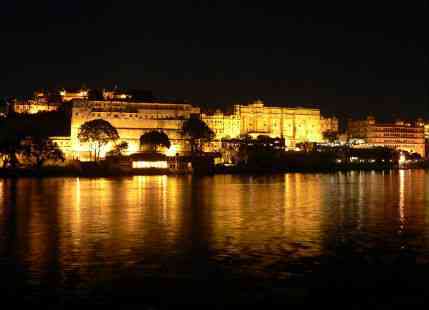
402,159
82,93
150,164
171,151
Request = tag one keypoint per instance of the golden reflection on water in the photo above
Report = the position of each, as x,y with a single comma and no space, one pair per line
302,210
74,228
268,215
401,198
108,222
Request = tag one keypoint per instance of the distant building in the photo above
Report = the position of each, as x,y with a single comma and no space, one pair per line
399,135
329,124
294,125
133,113
223,125
46,101
127,95
116,95
68,95
426,126
33,106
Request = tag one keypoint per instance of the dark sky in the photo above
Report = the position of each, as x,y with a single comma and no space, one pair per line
350,59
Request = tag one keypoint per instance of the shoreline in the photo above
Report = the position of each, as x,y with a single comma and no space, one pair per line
220,170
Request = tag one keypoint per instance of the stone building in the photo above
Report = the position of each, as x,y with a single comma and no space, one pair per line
426,125
35,106
399,135
131,120
223,125
69,95
329,124
295,125
48,101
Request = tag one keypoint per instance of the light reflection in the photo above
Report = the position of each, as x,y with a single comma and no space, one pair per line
2,198
401,199
302,220
90,228
265,216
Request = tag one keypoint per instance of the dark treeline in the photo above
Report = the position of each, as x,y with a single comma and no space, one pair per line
55,123
25,138
267,155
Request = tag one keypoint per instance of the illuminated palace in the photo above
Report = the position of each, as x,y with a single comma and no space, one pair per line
329,124
399,135
295,125
132,118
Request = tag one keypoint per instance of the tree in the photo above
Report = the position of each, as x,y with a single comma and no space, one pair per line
330,135
17,129
97,133
119,149
197,132
40,149
10,148
12,133
155,139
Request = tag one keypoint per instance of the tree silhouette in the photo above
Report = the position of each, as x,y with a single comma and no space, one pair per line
154,139
10,148
40,149
197,132
12,132
119,149
97,133
330,135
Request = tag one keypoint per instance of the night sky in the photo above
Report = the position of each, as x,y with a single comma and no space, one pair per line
349,60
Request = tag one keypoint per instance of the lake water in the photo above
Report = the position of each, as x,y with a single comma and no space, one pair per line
71,236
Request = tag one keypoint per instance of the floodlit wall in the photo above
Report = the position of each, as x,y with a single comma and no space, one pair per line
329,124
34,106
400,135
294,124
131,120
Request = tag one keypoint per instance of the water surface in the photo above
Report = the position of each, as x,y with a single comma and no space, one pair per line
75,233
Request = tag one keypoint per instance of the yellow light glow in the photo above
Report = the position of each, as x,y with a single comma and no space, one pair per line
132,148
150,164
401,198
171,151
402,159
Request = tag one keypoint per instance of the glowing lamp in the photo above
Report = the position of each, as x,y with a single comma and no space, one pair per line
402,159
171,151
150,164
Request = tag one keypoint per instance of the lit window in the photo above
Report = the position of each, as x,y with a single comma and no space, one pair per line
150,164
